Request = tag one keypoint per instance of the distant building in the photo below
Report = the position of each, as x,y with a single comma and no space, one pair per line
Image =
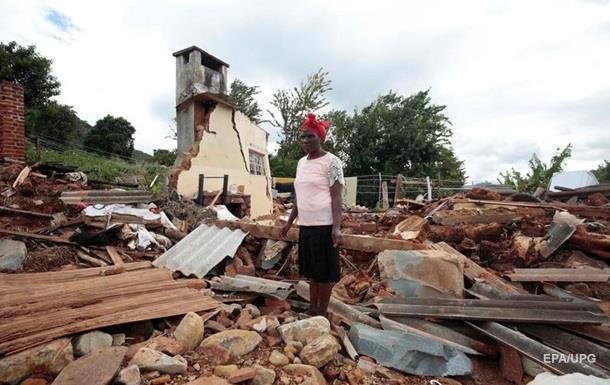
215,139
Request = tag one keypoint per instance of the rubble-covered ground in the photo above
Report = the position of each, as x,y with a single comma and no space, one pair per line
257,339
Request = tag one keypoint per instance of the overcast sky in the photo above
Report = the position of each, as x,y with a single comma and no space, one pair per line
517,77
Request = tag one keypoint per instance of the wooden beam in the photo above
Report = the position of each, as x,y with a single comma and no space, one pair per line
582,211
39,237
351,242
560,275
114,255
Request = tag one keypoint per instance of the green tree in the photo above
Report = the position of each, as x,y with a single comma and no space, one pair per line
602,173
111,135
164,157
396,134
27,67
283,167
243,97
540,173
54,121
292,105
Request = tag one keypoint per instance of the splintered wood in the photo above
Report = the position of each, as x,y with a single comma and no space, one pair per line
37,308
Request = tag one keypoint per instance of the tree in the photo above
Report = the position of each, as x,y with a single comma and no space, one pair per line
54,121
291,106
540,174
243,96
27,67
602,173
111,135
283,167
396,134
164,157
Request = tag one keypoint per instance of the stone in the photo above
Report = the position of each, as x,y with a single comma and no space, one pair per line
311,373
238,342
214,326
150,375
320,351
12,254
166,345
274,306
98,367
149,359
272,325
129,376
273,340
295,344
244,320
225,371
241,375
118,339
422,273
260,324
253,310
355,377
263,376
51,357
88,342
35,381
231,309
297,360
278,359
305,330
190,331
408,352
216,354
196,366
212,380
160,380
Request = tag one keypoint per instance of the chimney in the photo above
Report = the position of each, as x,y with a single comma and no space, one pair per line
199,72
12,121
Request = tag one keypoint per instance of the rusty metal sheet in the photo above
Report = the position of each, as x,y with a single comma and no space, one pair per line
106,196
252,284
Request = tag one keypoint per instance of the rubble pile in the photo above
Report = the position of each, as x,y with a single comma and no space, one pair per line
477,288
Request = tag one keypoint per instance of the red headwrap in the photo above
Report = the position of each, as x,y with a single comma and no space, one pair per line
319,126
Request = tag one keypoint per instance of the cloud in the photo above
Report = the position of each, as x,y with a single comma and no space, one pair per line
61,21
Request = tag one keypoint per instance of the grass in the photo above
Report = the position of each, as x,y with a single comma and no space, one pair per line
100,168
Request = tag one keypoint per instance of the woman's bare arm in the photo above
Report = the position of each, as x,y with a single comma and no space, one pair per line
336,196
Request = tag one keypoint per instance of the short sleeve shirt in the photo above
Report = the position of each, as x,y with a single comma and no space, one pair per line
312,186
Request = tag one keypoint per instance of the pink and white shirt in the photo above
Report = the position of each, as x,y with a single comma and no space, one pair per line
312,186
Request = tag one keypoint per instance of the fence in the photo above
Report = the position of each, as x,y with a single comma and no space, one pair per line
40,142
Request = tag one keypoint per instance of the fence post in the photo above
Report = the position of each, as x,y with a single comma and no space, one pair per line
429,188
38,149
385,204
200,190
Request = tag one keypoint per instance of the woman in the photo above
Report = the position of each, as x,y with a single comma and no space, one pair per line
318,189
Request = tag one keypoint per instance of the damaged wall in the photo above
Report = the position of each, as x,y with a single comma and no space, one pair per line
228,137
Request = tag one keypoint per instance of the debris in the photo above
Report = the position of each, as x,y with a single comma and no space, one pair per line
225,371
278,359
306,330
51,357
201,250
88,342
106,197
252,284
238,342
263,376
560,275
422,273
311,374
408,352
190,330
98,367
477,216
12,255
149,359
567,379
320,351
241,375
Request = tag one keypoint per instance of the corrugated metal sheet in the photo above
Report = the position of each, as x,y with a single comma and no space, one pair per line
201,250
252,284
106,196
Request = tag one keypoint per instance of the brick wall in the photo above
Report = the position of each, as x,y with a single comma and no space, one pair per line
12,121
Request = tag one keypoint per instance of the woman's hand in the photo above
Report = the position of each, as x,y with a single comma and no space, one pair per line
284,231
337,237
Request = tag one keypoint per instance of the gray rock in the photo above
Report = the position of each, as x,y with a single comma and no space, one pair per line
422,273
51,357
238,342
88,342
118,339
320,351
149,359
253,310
129,376
190,331
305,330
12,254
98,367
409,353
311,375
277,358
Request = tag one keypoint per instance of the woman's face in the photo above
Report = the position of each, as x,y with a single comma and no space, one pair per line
310,141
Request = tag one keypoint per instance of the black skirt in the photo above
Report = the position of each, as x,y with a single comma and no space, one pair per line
318,258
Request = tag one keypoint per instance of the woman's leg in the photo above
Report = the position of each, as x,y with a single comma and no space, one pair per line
325,290
314,294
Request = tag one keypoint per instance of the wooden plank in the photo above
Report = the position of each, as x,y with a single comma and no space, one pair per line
22,176
560,275
69,275
347,344
534,349
38,237
552,316
474,272
455,217
582,211
10,210
89,259
350,241
114,255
